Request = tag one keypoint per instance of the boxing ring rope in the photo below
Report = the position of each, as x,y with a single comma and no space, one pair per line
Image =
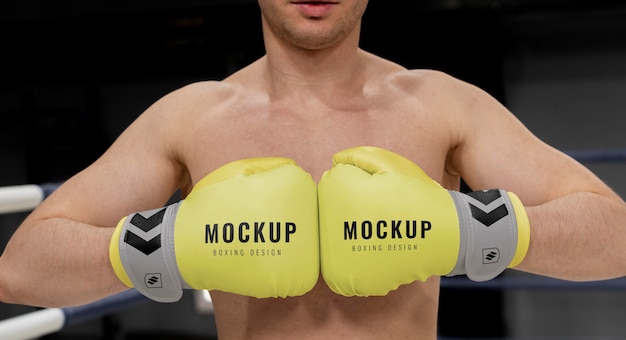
21,198
598,155
534,282
50,320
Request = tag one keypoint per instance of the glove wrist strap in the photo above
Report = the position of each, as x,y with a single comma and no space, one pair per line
488,229
146,247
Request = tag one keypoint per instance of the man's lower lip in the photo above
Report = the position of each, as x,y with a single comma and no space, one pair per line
314,9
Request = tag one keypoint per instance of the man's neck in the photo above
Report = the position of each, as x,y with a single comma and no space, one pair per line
289,69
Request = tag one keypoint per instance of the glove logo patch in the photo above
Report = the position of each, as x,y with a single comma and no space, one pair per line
491,255
146,225
485,213
153,280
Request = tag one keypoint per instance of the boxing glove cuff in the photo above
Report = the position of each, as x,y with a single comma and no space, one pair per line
495,233
142,254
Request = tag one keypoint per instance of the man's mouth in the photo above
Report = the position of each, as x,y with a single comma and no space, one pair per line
314,9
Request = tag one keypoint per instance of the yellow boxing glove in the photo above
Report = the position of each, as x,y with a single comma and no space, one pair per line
250,228
384,223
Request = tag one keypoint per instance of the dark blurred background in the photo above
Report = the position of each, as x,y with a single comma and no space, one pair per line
73,74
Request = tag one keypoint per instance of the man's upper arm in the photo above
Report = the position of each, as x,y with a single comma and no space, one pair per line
136,173
495,150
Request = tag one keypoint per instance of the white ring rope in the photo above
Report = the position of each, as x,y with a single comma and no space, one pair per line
21,198
33,324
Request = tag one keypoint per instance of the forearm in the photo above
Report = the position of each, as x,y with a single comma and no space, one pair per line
577,237
57,262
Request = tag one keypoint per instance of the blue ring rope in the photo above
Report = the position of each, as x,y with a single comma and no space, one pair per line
598,155
531,282
109,305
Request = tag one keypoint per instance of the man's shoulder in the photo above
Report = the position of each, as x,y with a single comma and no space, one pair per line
207,87
208,92
423,81
423,76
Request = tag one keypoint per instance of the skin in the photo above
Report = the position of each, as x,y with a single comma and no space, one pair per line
313,94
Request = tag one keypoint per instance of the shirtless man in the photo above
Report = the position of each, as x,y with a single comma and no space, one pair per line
313,94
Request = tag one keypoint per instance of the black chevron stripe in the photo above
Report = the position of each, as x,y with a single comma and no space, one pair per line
147,224
489,218
486,196
146,247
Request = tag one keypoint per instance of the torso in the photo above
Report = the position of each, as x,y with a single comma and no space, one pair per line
249,124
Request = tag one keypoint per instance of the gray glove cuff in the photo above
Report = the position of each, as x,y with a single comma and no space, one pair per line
488,228
147,253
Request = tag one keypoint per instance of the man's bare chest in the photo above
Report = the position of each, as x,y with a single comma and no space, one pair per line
312,140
